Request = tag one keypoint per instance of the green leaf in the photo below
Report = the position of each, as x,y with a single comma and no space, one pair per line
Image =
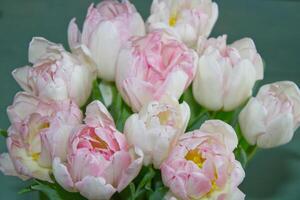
25,190
3,133
96,94
198,121
190,100
132,190
49,192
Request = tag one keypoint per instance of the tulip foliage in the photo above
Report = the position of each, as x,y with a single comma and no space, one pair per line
144,110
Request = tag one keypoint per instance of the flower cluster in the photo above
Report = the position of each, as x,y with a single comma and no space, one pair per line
176,81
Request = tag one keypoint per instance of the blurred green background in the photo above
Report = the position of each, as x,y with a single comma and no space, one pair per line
274,25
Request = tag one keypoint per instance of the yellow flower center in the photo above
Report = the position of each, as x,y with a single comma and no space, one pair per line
35,156
196,157
164,117
173,20
97,142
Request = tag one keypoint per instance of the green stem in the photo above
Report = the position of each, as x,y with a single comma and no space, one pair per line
196,119
251,152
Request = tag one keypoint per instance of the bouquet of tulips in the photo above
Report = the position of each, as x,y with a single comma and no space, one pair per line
144,110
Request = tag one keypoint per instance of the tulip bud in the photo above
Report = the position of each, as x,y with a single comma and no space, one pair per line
270,118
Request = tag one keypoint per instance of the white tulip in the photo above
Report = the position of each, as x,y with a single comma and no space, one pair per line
270,119
156,128
56,74
186,19
226,74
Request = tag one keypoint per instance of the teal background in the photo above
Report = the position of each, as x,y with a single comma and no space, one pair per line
274,25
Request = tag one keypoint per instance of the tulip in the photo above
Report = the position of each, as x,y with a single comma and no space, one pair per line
56,74
106,28
99,161
202,164
39,132
185,19
156,128
154,66
270,118
226,74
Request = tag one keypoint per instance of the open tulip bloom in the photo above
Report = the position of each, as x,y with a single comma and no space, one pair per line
140,109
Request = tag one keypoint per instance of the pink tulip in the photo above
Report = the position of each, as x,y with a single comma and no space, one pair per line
56,74
202,165
154,66
100,162
39,132
106,28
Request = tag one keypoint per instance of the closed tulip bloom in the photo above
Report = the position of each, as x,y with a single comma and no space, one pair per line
154,66
156,128
226,73
202,165
106,28
270,118
100,161
188,20
56,74
39,132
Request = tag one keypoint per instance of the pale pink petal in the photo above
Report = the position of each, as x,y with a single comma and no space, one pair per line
62,175
95,188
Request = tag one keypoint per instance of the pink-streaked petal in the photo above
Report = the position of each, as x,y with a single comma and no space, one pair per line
74,35
62,175
132,171
98,115
7,167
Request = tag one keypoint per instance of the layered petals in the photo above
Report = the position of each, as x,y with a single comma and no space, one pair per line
156,128
99,160
154,66
270,119
187,20
39,132
202,165
55,74
108,24
226,73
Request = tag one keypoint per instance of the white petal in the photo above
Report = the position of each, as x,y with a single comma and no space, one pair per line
7,167
280,131
38,47
107,35
240,85
208,83
223,130
251,120
21,76
95,188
